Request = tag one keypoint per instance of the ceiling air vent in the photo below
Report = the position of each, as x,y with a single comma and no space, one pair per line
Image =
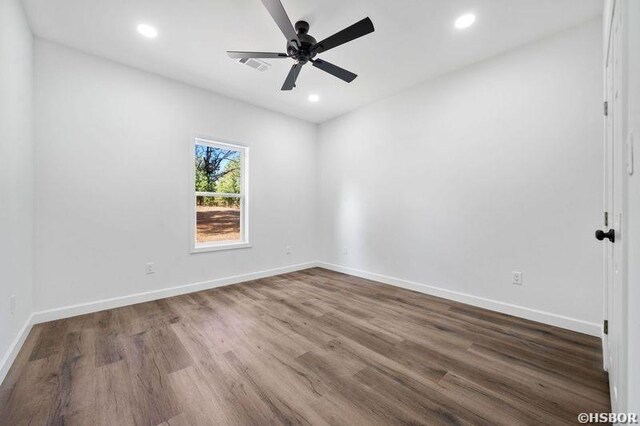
256,64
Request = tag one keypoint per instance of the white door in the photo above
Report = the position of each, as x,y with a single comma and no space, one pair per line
612,235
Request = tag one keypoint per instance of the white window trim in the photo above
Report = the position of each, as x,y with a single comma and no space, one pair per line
243,242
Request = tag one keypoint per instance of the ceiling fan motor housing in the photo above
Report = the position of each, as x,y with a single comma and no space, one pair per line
302,52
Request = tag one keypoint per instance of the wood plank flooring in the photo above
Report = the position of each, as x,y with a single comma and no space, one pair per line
310,347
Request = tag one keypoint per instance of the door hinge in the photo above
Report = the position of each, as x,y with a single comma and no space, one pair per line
606,327
606,218
606,108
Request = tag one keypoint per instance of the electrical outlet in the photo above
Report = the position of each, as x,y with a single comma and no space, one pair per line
516,277
288,250
345,250
151,268
13,303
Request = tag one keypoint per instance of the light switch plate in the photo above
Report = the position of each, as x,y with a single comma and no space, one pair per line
630,154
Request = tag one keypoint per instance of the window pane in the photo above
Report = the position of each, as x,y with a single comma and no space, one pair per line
217,170
217,219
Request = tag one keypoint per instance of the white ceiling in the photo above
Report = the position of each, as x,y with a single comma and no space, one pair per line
414,40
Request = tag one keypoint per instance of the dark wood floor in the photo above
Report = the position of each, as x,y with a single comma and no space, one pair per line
312,347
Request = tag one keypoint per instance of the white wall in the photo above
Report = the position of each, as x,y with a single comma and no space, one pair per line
459,181
454,183
16,173
112,167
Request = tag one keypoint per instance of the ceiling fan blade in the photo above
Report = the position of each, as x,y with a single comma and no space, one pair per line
246,55
277,12
335,70
353,32
290,81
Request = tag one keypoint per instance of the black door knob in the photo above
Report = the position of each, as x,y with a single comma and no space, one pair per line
610,234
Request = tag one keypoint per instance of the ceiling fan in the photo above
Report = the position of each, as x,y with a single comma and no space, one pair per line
303,48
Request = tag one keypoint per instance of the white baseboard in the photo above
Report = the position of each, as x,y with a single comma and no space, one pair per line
14,348
482,302
116,302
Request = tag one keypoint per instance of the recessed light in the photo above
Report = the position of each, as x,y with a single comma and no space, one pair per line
465,21
314,98
147,31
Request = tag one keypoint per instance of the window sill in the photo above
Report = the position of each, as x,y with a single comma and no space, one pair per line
219,247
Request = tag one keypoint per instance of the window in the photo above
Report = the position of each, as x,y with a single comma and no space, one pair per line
220,196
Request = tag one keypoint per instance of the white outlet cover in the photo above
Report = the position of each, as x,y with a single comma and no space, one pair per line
516,277
150,268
